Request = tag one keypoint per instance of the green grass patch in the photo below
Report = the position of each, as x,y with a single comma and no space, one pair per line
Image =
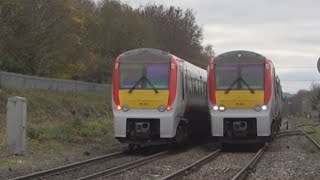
59,125
316,136
75,130
314,132
47,105
64,117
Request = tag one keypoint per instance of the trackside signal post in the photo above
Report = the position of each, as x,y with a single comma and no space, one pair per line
16,125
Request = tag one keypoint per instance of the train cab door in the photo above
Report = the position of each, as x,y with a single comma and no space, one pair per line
182,80
186,90
183,84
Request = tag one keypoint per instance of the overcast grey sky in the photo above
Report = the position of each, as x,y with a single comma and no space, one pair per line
286,31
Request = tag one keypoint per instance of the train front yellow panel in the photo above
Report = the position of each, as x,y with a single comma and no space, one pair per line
240,98
144,99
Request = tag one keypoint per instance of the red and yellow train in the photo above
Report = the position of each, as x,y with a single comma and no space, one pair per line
244,97
157,98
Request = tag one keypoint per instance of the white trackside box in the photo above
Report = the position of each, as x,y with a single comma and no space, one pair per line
16,125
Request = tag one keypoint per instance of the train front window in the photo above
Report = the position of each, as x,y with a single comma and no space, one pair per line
253,75
144,76
158,75
244,76
130,74
225,76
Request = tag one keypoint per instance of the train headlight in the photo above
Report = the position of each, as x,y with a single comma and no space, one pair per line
222,108
118,107
216,108
258,108
264,107
125,108
162,108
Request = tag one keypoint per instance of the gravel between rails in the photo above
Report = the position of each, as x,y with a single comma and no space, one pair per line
289,157
165,166
225,166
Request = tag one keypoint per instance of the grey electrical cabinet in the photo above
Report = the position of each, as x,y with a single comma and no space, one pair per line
16,125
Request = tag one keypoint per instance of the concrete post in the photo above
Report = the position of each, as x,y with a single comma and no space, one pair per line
16,125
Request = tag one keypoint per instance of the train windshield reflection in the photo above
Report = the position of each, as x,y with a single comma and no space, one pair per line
144,76
227,76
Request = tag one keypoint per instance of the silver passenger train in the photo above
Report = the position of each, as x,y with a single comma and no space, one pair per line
245,98
157,98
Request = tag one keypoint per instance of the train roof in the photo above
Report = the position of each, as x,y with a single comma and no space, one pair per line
154,55
239,57
145,54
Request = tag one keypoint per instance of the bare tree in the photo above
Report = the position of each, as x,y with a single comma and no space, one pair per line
315,98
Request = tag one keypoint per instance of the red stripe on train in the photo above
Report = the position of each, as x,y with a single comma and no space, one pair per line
267,82
173,82
115,85
211,83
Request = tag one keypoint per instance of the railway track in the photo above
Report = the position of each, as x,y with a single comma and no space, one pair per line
307,134
242,173
249,166
66,168
124,167
193,166
246,169
59,171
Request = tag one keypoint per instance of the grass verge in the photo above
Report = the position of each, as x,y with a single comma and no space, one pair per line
58,125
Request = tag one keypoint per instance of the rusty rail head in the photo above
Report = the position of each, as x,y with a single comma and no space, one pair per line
66,167
194,165
126,166
244,171
309,137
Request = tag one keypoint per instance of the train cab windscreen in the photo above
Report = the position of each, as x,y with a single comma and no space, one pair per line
144,76
239,76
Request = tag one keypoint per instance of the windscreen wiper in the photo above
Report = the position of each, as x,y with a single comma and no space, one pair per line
245,83
135,85
230,87
147,80
153,87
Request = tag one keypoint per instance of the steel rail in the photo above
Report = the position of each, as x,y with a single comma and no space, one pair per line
288,133
244,171
194,165
309,137
66,167
126,166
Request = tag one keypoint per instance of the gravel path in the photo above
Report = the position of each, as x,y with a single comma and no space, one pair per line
289,157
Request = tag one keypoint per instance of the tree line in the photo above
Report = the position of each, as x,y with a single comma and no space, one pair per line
79,40
304,102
